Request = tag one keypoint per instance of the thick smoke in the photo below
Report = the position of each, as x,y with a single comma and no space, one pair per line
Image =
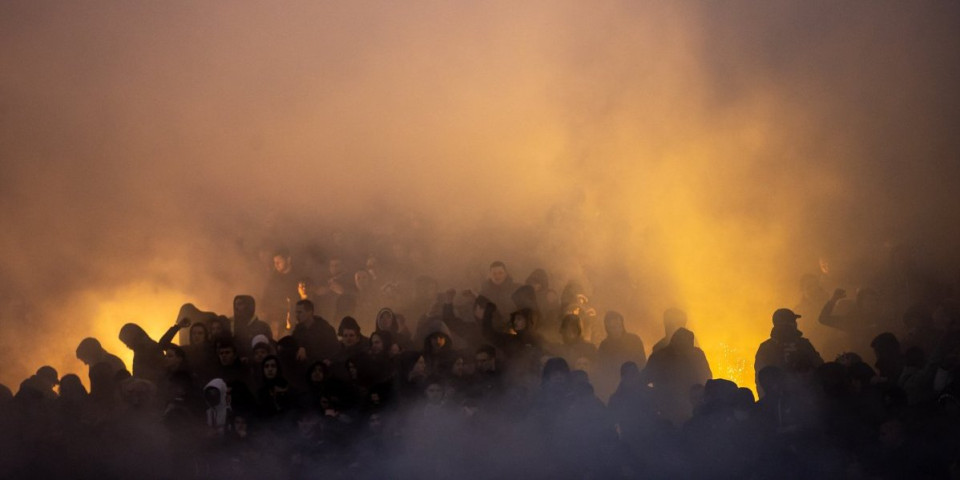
699,155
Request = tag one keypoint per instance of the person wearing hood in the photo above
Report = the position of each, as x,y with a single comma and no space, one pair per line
321,389
90,352
620,346
376,364
577,351
275,396
352,342
352,345
40,385
499,287
411,374
438,352
787,348
388,321
672,371
218,406
521,345
147,354
201,356
245,325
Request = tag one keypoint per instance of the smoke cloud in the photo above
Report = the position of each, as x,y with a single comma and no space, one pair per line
703,155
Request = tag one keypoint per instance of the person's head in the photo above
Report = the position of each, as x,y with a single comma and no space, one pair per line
386,320
215,328
198,334
260,352
498,273
785,318
317,372
522,320
308,423
173,357
629,371
457,369
89,351
613,323
556,371
240,426
486,358
682,339
71,388
244,308
349,331
214,394
434,391
270,367
281,260
673,318
48,377
886,345
376,343
570,329
226,353
133,336
304,312
353,368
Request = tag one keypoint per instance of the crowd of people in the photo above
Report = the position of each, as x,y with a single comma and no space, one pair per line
358,376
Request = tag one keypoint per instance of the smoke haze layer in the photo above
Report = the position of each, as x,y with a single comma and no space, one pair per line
700,155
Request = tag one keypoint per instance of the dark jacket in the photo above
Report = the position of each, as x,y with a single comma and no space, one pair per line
319,339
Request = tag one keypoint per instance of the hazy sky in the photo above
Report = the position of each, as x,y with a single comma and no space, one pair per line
709,151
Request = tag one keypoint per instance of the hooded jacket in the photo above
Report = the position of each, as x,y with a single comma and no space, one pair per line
217,414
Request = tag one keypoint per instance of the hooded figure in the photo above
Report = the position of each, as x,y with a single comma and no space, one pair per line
522,347
218,410
388,321
786,348
620,346
90,352
352,342
438,352
274,395
411,375
147,354
525,297
672,371
577,351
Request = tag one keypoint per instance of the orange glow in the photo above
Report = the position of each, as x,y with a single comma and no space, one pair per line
152,308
